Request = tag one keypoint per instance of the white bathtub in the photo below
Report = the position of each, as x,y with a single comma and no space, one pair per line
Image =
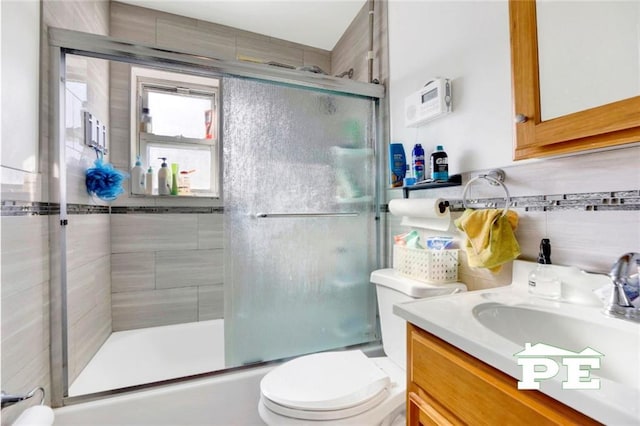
153,354
225,400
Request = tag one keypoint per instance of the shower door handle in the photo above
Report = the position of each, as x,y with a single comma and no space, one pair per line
306,215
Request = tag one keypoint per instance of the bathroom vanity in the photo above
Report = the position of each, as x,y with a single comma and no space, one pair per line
466,355
448,386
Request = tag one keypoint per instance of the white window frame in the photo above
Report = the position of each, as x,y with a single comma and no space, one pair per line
144,80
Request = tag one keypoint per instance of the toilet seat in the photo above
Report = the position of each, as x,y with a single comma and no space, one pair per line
297,413
325,386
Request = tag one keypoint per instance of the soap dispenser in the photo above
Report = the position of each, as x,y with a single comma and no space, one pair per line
543,281
137,178
164,178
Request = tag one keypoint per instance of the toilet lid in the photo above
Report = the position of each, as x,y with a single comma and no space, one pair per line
325,381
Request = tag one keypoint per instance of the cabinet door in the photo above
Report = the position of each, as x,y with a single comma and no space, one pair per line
607,125
424,413
465,388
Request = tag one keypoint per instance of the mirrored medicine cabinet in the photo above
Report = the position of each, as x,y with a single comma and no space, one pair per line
610,119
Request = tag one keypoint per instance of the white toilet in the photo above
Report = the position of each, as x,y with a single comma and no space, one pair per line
347,387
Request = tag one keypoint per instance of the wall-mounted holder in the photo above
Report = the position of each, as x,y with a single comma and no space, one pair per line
95,133
495,177
454,180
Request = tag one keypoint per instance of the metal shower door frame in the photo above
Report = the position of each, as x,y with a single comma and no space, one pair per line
65,42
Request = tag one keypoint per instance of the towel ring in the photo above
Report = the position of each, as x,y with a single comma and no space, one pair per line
495,177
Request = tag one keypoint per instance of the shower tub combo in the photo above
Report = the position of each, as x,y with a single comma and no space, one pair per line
302,285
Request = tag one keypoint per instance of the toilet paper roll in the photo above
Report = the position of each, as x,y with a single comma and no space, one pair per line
421,213
39,415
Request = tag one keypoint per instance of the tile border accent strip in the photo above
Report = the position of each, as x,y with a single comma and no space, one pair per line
585,201
165,210
27,208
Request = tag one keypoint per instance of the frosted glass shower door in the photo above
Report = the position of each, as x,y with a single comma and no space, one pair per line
300,228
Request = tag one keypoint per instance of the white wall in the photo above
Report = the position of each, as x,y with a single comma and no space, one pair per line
19,177
467,42
20,77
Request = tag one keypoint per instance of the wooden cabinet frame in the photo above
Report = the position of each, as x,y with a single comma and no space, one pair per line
447,386
609,125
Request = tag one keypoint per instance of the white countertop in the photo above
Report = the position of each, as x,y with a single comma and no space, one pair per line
452,319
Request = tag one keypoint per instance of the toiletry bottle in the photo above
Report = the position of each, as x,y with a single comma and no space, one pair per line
149,182
174,178
409,180
145,121
137,178
543,281
184,183
164,178
439,164
397,164
417,156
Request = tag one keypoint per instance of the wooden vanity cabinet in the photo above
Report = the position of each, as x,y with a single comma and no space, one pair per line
447,386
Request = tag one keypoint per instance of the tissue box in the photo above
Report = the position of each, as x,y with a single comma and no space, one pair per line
433,266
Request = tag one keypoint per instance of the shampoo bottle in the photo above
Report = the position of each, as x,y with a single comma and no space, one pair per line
439,164
137,178
149,182
164,178
543,281
417,156
397,164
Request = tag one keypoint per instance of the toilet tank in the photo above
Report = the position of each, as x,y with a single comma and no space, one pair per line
393,288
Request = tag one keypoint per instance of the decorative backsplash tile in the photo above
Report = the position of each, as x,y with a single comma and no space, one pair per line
587,201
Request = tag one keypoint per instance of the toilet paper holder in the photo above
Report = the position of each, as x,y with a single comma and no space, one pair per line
8,399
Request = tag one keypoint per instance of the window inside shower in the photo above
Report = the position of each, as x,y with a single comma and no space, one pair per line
177,119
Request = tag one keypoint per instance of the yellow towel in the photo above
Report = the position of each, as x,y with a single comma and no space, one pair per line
490,238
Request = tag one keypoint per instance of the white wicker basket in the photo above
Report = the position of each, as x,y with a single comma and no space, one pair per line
433,266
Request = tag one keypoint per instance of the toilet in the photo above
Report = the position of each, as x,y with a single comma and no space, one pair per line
347,387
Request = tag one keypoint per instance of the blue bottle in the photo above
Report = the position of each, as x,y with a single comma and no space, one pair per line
397,164
418,162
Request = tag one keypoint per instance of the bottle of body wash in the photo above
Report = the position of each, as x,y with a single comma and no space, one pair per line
164,178
543,281
137,178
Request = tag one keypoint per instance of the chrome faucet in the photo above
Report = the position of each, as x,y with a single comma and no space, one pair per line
624,275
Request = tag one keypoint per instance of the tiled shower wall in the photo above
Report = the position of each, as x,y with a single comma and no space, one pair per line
25,238
25,306
166,269
351,50
170,31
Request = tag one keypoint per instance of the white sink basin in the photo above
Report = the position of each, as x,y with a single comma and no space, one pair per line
520,325
496,324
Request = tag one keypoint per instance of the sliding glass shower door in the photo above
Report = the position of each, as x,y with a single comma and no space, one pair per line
300,220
